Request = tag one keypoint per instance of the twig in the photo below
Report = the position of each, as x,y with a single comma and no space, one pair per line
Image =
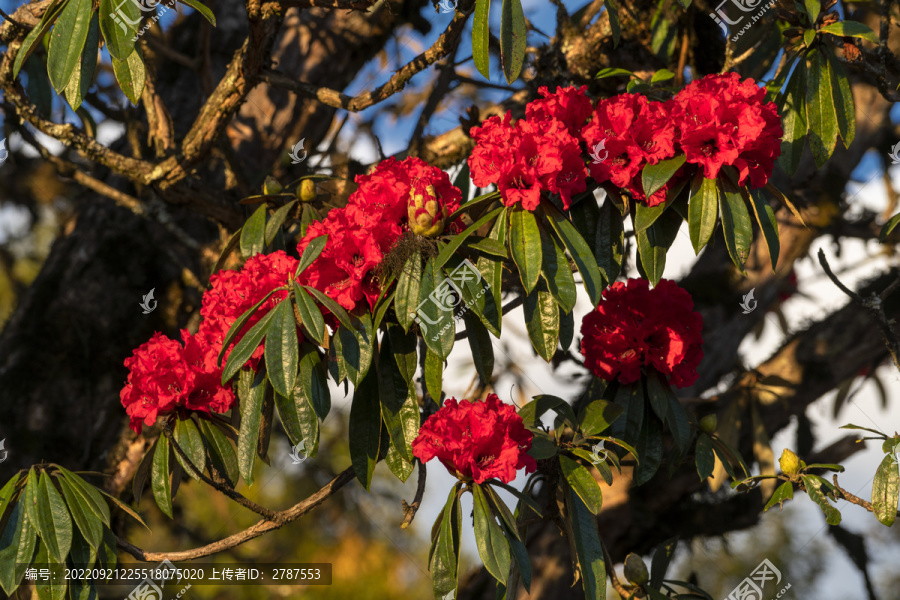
282,518
853,499
11,20
411,509
269,515
874,306
614,579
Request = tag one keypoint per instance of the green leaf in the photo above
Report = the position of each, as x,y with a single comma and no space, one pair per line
588,550
661,75
765,216
597,415
89,525
481,346
54,588
524,499
525,246
794,119
29,44
450,248
202,9
542,323
252,392
67,41
16,548
532,412
889,227
220,451
735,225
784,492
813,8
654,177
52,518
437,297
820,113
512,39
542,447
282,349
492,271
399,467
131,74
238,325
842,95
886,490
188,438
851,29
704,457
160,481
310,314
444,560
90,494
649,446
703,211
614,24
38,88
654,242
399,403
253,234
273,227
310,253
612,72
813,487
581,253
365,429
245,348
119,22
481,37
8,492
407,299
83,75
583,483
434,373
662,556
557,273
492,545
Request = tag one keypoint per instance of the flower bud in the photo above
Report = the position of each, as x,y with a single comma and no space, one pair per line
271,186
636,569
307,190
708,424
789,463
427,214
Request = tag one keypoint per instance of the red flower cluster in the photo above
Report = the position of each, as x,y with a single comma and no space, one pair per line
635,326
715,121
538,153
232,293
725,121
164,377
476,440
362,232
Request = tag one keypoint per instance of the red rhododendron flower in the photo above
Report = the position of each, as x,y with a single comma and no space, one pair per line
567,104
527,158
635,132
725,121
362,232
232,293
164,377
476,440
635,326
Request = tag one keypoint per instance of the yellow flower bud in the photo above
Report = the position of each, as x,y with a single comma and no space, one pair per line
307,190
427,215
789,463
271,186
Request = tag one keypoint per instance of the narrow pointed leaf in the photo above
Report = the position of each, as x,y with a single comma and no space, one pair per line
30,44
594,280
202,9
512,39
542,323
525,246
703,211
89,525
188,438
310,314
582,482
221,451
886,490
119,22
253,234
407,299
245,348
131,75
820,113
765,216
654,177
252,392
492,545
587,545
736,225
160,481
365,429
282,349
83,75
481,36
67,41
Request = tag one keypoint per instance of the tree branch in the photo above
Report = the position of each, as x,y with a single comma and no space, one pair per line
281,518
